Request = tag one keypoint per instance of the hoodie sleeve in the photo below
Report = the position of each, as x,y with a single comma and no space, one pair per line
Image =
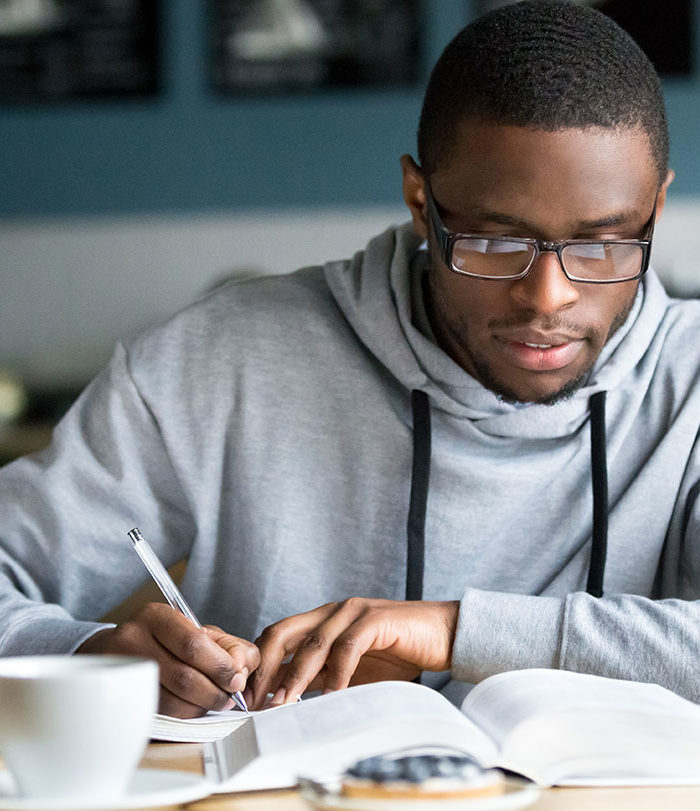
631,637
65,559
624,636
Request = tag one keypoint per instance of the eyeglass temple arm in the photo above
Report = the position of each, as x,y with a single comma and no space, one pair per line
439,229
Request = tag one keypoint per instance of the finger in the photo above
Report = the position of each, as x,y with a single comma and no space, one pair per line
195,648
381,666
333,666
170,704
244,655
275,643
335,641
189,685
345,656
315,685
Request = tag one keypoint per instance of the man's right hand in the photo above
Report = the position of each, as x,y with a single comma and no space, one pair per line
199,667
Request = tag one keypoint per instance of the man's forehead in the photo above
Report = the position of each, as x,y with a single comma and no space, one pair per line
500,171
481,144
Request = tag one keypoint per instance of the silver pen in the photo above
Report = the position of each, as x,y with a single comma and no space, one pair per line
170,591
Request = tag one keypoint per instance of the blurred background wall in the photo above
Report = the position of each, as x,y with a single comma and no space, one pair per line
116,210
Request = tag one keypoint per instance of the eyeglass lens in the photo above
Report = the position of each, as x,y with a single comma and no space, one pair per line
503,258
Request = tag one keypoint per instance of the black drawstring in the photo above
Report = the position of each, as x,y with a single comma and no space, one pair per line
420,480
599,478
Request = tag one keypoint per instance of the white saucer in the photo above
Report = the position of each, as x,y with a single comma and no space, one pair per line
517,794
149,788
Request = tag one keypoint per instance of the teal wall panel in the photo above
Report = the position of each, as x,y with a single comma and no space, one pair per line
190,150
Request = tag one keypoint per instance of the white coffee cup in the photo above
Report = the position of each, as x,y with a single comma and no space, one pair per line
75,727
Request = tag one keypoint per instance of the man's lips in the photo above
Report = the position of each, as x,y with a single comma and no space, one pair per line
539,352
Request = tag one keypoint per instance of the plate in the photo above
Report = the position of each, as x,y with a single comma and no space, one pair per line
149,788
517,794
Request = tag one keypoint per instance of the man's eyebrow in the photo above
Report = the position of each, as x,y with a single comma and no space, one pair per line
482,214
622,218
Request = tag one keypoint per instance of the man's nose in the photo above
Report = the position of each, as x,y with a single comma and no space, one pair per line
545,289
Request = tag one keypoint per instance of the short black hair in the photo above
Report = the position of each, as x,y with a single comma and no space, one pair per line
546,64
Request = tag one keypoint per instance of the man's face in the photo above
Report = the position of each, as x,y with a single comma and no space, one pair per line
533,339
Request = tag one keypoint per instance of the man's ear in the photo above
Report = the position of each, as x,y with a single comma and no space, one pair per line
414,194
661,197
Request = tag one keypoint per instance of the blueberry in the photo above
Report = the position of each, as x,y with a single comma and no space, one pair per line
365,768
415,769
445,767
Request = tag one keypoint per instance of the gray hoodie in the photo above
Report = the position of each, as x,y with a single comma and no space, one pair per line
266,433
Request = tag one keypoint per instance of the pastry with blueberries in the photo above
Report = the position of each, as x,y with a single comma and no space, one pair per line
420,776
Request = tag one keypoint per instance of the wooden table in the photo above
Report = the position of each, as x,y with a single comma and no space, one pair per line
188,757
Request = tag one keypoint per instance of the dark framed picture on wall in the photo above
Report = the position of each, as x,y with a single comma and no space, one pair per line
263,46
663,30
78,49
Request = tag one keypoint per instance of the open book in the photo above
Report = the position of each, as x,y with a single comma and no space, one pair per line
551,726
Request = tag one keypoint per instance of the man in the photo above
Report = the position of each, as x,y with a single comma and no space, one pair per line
477,456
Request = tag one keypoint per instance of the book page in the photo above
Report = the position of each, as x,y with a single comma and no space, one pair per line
501,702
207,727
320,737
563,728
605,747
211,726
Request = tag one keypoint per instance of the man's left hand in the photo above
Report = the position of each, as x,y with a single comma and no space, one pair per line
357,640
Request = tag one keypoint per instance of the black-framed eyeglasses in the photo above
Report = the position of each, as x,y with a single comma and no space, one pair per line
582,260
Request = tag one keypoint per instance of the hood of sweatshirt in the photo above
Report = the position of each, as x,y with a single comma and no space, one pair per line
379,292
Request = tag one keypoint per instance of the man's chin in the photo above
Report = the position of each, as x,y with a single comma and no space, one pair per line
539,395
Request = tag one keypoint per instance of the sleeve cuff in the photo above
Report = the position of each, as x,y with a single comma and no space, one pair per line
48,635
498,632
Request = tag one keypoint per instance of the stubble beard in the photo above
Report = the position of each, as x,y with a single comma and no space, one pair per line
451,331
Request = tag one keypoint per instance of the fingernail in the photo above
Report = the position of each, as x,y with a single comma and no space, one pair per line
238,681
230,704
279,696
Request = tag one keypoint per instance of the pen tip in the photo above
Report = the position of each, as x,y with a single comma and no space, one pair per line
238,698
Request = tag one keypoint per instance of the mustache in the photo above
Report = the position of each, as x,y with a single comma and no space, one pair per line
548,325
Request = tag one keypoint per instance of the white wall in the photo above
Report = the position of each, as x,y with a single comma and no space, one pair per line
676,252
70,289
